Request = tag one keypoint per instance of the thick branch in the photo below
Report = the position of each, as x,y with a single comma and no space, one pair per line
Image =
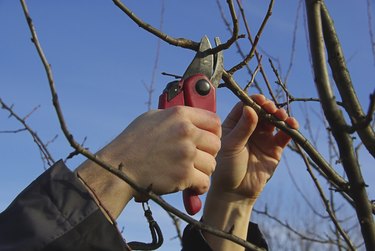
344,83
336,180
337,123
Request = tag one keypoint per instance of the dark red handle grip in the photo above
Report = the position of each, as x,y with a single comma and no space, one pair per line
189,92
192,202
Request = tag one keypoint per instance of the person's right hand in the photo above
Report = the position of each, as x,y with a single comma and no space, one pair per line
169,150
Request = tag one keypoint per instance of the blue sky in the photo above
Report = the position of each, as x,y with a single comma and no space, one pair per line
101,61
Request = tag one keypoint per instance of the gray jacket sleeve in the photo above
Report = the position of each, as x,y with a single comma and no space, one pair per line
56,212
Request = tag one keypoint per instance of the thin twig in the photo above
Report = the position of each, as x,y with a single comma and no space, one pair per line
176,223
288,96
290,228
182,42
325,201
255,43
239,49
370,28
304,197
46,155
294,39
257,55
150,87
252,77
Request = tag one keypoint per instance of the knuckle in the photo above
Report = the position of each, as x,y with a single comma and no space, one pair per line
182,174
182,177
178,111
204,186
185,129
217,125
217,121
210,166
186,152
213,165
216,144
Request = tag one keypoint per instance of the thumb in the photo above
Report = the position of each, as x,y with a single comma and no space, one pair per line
240,133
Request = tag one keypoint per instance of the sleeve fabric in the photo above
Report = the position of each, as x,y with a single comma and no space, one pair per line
193,238
56,212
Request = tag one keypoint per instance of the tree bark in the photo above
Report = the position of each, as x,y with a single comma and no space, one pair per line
338,125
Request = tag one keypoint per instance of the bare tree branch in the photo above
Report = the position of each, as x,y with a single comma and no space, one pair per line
257,55
326,202
150,87
239,49
336,179
370,28
343,81
290,228
293,49
336,120
181,42
46,155
255,43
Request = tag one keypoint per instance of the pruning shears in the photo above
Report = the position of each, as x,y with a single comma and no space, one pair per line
197,88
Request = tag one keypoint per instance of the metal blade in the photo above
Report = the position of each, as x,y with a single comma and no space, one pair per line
218,71
201,64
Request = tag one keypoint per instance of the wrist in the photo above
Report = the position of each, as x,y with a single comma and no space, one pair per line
110,192
229,213
233,198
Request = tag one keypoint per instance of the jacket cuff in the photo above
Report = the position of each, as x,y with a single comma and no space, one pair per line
193,238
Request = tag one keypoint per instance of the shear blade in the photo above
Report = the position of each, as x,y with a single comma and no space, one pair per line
219,67
201,63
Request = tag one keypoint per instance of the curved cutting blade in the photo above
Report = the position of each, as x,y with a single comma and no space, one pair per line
201,64
219,67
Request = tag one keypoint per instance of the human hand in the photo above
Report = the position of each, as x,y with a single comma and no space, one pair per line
250,151
167,150
170,150
248,157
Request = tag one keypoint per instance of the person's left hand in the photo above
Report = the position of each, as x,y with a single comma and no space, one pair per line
251,151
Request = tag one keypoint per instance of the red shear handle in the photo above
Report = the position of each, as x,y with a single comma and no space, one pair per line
192,202
195,91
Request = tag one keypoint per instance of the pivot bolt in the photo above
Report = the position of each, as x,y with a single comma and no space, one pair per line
203,87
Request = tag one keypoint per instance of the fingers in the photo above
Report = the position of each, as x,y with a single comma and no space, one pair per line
199,131
205,163
281,138
204,167
208,142
238,127
202,119
233,117
205,137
